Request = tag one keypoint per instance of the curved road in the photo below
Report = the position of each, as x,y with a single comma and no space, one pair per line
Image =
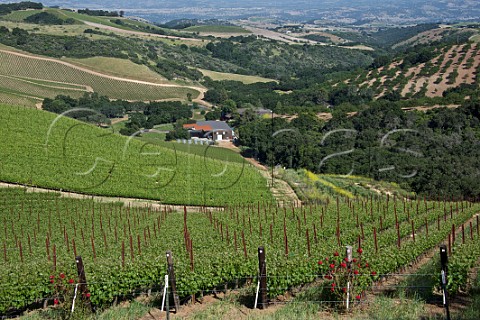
201,90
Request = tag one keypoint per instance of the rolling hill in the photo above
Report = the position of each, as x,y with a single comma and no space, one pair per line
43,149
449,67
397,162
35,77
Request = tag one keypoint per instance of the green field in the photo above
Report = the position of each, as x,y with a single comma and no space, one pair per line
20,66
72,155
213,152
217,29
218,76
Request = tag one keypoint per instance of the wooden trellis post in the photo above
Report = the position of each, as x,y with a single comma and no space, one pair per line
172,280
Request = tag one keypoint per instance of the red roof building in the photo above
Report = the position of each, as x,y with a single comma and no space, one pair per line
214,130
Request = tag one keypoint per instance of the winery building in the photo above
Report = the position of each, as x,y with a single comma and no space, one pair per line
214,130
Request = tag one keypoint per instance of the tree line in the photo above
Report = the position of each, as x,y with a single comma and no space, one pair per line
6,8
99,109
431,153
101,13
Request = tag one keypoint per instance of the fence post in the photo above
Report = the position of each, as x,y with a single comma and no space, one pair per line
444,262
173,281
262,267
83,282
349,256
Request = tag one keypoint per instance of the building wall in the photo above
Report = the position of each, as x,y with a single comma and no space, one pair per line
226,135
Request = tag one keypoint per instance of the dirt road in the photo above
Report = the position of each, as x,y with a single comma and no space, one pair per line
132,202
201,90
137,33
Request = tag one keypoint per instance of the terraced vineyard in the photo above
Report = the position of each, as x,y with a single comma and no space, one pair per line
123,247
451,67
40,149
28,74
119,68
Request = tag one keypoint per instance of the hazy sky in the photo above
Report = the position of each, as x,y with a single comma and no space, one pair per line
397,11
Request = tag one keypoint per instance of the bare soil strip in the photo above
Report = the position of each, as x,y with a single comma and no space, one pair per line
450,63
127,202
281,190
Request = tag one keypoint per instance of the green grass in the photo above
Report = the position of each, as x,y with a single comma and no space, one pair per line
304,306
209,152
214,75
53,71
473,310
385,308
83,158
197,115
128,311
197,150
154,138
311,187
217,29
165,126
119,125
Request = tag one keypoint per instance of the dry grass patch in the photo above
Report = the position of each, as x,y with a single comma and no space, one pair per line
214,75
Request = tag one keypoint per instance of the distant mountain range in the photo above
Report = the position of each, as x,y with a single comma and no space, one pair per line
339,11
